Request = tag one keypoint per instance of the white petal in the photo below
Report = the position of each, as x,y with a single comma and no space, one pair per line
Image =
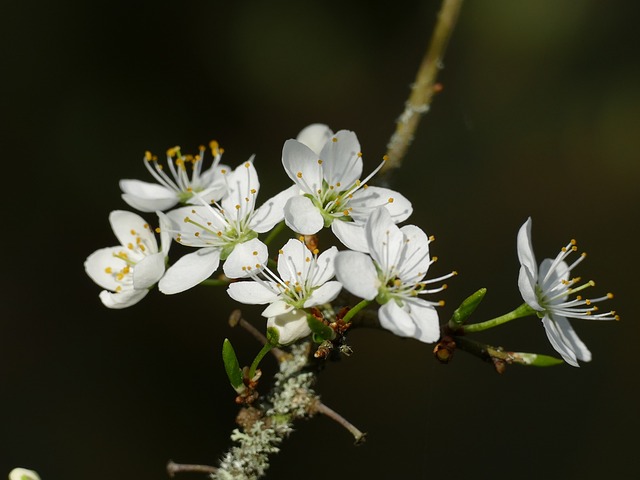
193,235
251,293
324,294
352,235
243,190
565,340
279,307
342,163
550,278
325,267
527,286
97,264
357,273
122,299
301,164
315,136
131,228
190,270
367,199
385,239
166,226
525,249
23,474
292,261
246,257
272,211
148,271
415,259
396,319
147,197
425,319
301,216
291,326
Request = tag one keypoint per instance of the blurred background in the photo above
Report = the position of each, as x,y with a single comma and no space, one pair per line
538,117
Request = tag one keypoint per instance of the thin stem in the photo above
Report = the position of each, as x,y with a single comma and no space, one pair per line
333,415
523,310
274,232
256,361
352,313
423,88
173,468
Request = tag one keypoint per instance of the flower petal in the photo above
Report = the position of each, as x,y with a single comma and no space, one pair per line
342,159
357,273
279,307
315,136
527,286
190,270
324,294
425,319
365,200
243,186
351,234
415,259
148,271
196,225
525,250
301,164
395,319
147,197
123,299
302,216
251,293
272,211
131,229
101,263
291,326
292,261
565,341
246,257
325,269
385,239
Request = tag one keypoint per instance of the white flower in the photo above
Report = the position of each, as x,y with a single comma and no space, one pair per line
332,193
227,231
303,281
547,291
178,187
394,276
23,474
129,270
291,326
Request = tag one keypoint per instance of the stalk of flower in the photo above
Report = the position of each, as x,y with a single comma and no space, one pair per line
393,275
223,231
303,280
185,179
331,191
551,294
129,270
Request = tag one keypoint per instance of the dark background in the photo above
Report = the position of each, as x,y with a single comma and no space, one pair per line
539,116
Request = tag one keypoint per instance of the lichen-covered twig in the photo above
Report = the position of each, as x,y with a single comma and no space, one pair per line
173,468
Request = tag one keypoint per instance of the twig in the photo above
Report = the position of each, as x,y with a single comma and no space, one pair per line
236,319
173,468
320,407
423,88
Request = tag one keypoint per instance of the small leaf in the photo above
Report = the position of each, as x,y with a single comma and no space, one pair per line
273,336
319,329
231,365
467,307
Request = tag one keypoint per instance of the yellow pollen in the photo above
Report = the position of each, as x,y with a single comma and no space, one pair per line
133,232
319,191
445,286
246,199
197,234
130,246
337,184
237,207
147,156
574,248
316,251
258,265
120,276
187,219
346,212
583,254
301,238
280,252
359,154
253,190
365,186
609,295
307,259
397,282
357,183
578,297
119,288
299,174
219,234
299,273
434,258
441,303
247,164
142,247
573,242
432,238
255,253
563,249
334,139
244,269
390,200
455,272
223,171
215,148
108,270
157,229
587,302
319,162
385,158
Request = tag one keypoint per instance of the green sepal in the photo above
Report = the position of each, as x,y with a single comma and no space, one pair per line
319,329
536,360
467,307
231,365
273,336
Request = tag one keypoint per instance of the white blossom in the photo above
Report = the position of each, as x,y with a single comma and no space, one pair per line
23,474
331,191
548,288
393,275
129,270
303,281
225,230
185,179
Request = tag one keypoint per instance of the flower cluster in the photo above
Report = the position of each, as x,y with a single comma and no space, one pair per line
217,214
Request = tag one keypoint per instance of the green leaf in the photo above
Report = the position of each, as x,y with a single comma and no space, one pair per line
467,307
536,360
231,365
319,329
